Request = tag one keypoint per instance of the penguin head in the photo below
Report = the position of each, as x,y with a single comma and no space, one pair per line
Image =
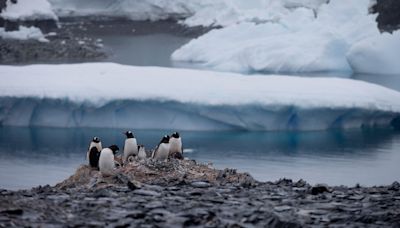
129,134
165,139
96,139
114,148
175,135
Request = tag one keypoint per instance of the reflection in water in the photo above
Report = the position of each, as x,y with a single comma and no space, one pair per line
142,50
33,156
389,81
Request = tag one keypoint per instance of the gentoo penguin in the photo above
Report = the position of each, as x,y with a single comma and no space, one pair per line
142,152
175,146
162,150
106,161
93,152
130,147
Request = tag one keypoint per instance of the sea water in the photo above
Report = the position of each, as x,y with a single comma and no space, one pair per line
39,156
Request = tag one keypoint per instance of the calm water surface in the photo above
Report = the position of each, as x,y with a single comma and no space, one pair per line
38,156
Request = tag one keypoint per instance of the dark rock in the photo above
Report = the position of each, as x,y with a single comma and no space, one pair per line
12,211
388,14
318,189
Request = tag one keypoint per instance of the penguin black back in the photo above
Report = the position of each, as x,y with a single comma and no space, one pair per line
164,139
94,155
114,148
129,134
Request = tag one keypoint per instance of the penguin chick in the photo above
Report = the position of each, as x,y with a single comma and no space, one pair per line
94,143
142,152
130,147
106,160
175,148
162,150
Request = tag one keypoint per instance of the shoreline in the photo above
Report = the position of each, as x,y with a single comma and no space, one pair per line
184,193
76,40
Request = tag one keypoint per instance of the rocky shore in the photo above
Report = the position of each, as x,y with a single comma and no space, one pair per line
76,39
184,193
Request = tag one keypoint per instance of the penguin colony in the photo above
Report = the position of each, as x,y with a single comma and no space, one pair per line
106,159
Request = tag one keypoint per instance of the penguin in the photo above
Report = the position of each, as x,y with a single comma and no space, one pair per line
175,146
142,152
93,152
94,155
162,150
106,160
130,147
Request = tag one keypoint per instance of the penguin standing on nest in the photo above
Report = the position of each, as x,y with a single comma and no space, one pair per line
175,146
142,152
162,150
106,161
130,147
93,153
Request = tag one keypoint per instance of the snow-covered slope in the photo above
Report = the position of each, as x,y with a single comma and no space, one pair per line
135,10
29,10
112,95
193,12
329,38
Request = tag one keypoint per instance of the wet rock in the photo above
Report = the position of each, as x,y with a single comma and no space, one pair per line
212,202
147,193
200,184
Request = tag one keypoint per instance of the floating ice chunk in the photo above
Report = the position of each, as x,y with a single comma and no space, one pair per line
300,40
112,95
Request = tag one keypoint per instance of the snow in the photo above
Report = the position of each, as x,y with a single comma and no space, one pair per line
112,95
135,10
298,40
29,10
24,33
193,13
376,54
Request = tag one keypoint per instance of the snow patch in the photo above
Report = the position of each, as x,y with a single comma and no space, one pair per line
24,33
29,10
112,95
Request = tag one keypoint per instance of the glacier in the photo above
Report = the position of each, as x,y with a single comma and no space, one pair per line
119,96
338,36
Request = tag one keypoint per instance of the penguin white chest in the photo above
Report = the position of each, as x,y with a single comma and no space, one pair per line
175,145
130,148
162,152
106,162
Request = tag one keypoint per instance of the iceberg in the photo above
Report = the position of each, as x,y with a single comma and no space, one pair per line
326,38
119,96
